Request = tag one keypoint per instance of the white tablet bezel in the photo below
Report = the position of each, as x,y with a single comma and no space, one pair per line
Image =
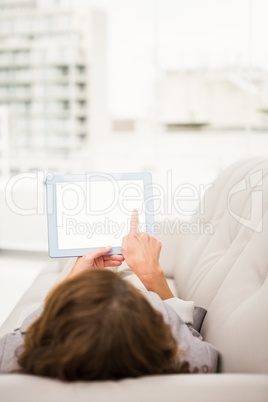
51,182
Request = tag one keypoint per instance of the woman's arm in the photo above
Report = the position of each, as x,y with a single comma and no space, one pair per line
95,259
141,252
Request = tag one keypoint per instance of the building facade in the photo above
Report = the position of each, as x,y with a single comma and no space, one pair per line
52,80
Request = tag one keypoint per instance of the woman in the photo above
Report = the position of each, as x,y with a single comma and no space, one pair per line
96,326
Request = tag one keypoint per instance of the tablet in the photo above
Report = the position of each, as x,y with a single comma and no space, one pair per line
94,210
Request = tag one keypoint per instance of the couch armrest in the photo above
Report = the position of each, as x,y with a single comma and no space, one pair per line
169,388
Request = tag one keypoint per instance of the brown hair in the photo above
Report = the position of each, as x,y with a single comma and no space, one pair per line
97,326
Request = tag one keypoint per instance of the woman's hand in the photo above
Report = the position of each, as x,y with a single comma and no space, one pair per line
96,259
141,252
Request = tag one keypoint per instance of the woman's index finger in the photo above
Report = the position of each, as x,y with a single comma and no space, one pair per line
134,223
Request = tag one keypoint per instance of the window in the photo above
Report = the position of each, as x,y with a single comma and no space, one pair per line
186,79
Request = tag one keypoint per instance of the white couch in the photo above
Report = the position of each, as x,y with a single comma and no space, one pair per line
224,271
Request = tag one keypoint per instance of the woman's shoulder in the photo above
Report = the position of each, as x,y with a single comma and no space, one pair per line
11,342
200,354
183,309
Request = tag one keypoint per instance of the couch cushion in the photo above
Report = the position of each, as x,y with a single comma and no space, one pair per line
33,296
226,271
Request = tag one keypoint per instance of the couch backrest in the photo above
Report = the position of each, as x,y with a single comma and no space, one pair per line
226,271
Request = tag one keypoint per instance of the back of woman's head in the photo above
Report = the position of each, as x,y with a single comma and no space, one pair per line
98,326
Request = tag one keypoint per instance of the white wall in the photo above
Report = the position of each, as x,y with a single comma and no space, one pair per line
18,230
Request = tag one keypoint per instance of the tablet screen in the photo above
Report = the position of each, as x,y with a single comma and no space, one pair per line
94,210
97,213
